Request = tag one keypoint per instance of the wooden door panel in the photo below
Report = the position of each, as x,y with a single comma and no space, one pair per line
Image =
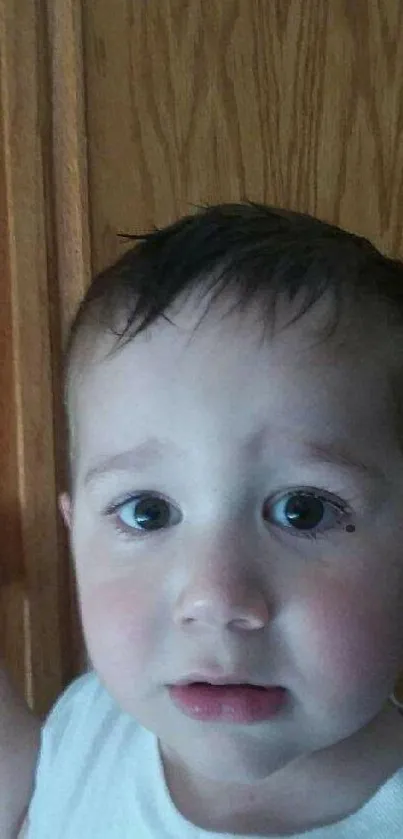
297,103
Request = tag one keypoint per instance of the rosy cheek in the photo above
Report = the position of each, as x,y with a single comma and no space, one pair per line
347,638
116,620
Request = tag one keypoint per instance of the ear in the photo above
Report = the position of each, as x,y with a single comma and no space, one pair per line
65,508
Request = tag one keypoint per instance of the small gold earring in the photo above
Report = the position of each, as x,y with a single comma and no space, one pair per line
396,698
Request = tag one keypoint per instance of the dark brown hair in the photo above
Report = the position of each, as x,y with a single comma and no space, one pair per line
250,249
253,251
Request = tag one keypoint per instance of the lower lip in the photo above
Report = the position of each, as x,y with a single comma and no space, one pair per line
230,703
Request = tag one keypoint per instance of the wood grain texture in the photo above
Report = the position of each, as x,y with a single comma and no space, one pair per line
69,154
294,102
12,635
32,598
72,264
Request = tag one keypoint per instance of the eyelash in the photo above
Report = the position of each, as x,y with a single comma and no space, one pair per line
341,509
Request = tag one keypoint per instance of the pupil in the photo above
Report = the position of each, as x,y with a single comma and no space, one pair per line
152,513
304,512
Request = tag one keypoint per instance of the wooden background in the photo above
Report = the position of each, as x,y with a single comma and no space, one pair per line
118,116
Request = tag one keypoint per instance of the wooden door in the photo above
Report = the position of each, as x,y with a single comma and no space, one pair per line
126,114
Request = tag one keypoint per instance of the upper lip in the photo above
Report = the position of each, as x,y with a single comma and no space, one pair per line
229,679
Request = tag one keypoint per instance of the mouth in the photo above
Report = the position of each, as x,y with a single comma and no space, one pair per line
207,679
227,699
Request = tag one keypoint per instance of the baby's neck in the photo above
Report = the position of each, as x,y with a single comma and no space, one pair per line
326,786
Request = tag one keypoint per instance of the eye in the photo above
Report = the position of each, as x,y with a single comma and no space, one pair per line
144,513
308,513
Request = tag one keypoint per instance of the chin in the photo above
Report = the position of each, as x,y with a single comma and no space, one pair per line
235,757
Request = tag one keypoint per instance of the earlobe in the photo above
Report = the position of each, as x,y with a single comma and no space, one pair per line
65,508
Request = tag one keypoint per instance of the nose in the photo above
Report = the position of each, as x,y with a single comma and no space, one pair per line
224,597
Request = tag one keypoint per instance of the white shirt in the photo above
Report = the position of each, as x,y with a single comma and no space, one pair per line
100,776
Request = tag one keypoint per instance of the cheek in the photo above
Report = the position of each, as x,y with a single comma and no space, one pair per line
350,636
116,618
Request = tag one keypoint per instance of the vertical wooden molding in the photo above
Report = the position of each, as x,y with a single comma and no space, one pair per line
70,179
12,638
46,267
26,154
72,255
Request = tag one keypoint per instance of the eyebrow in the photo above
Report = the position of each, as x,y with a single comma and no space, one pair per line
150,451
141,457
335,454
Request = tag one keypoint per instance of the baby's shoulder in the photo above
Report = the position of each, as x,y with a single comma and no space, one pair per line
89,752
78,715
85,691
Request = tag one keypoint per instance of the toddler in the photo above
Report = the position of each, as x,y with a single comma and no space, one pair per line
234,395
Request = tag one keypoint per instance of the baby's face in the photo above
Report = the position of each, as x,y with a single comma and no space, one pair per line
224,433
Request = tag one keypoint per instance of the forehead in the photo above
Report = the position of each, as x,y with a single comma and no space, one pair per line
224,384
228,331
